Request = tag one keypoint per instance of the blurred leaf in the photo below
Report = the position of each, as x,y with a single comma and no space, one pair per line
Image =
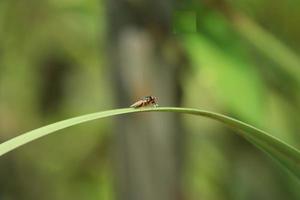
278,150
229,75
268,44
185,22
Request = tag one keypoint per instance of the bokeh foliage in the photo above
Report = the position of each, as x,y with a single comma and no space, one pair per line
244,61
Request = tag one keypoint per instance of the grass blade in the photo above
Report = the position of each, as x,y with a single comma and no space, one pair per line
285,154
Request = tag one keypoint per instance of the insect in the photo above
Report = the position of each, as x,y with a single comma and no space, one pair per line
145,101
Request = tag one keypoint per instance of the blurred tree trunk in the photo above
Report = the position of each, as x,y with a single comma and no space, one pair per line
145,59
54,70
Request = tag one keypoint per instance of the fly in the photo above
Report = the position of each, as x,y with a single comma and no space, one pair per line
145,101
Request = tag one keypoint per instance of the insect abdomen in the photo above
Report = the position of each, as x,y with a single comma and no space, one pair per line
137,104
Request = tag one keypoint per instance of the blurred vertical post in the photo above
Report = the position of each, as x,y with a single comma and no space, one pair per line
145,59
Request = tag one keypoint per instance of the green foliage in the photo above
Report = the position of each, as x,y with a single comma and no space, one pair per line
278,150
247,67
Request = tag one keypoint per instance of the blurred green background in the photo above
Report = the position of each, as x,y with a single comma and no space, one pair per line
58,59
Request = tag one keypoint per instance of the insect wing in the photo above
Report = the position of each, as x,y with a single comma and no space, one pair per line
137,104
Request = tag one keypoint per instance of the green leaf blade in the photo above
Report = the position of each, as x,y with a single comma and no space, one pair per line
286,155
